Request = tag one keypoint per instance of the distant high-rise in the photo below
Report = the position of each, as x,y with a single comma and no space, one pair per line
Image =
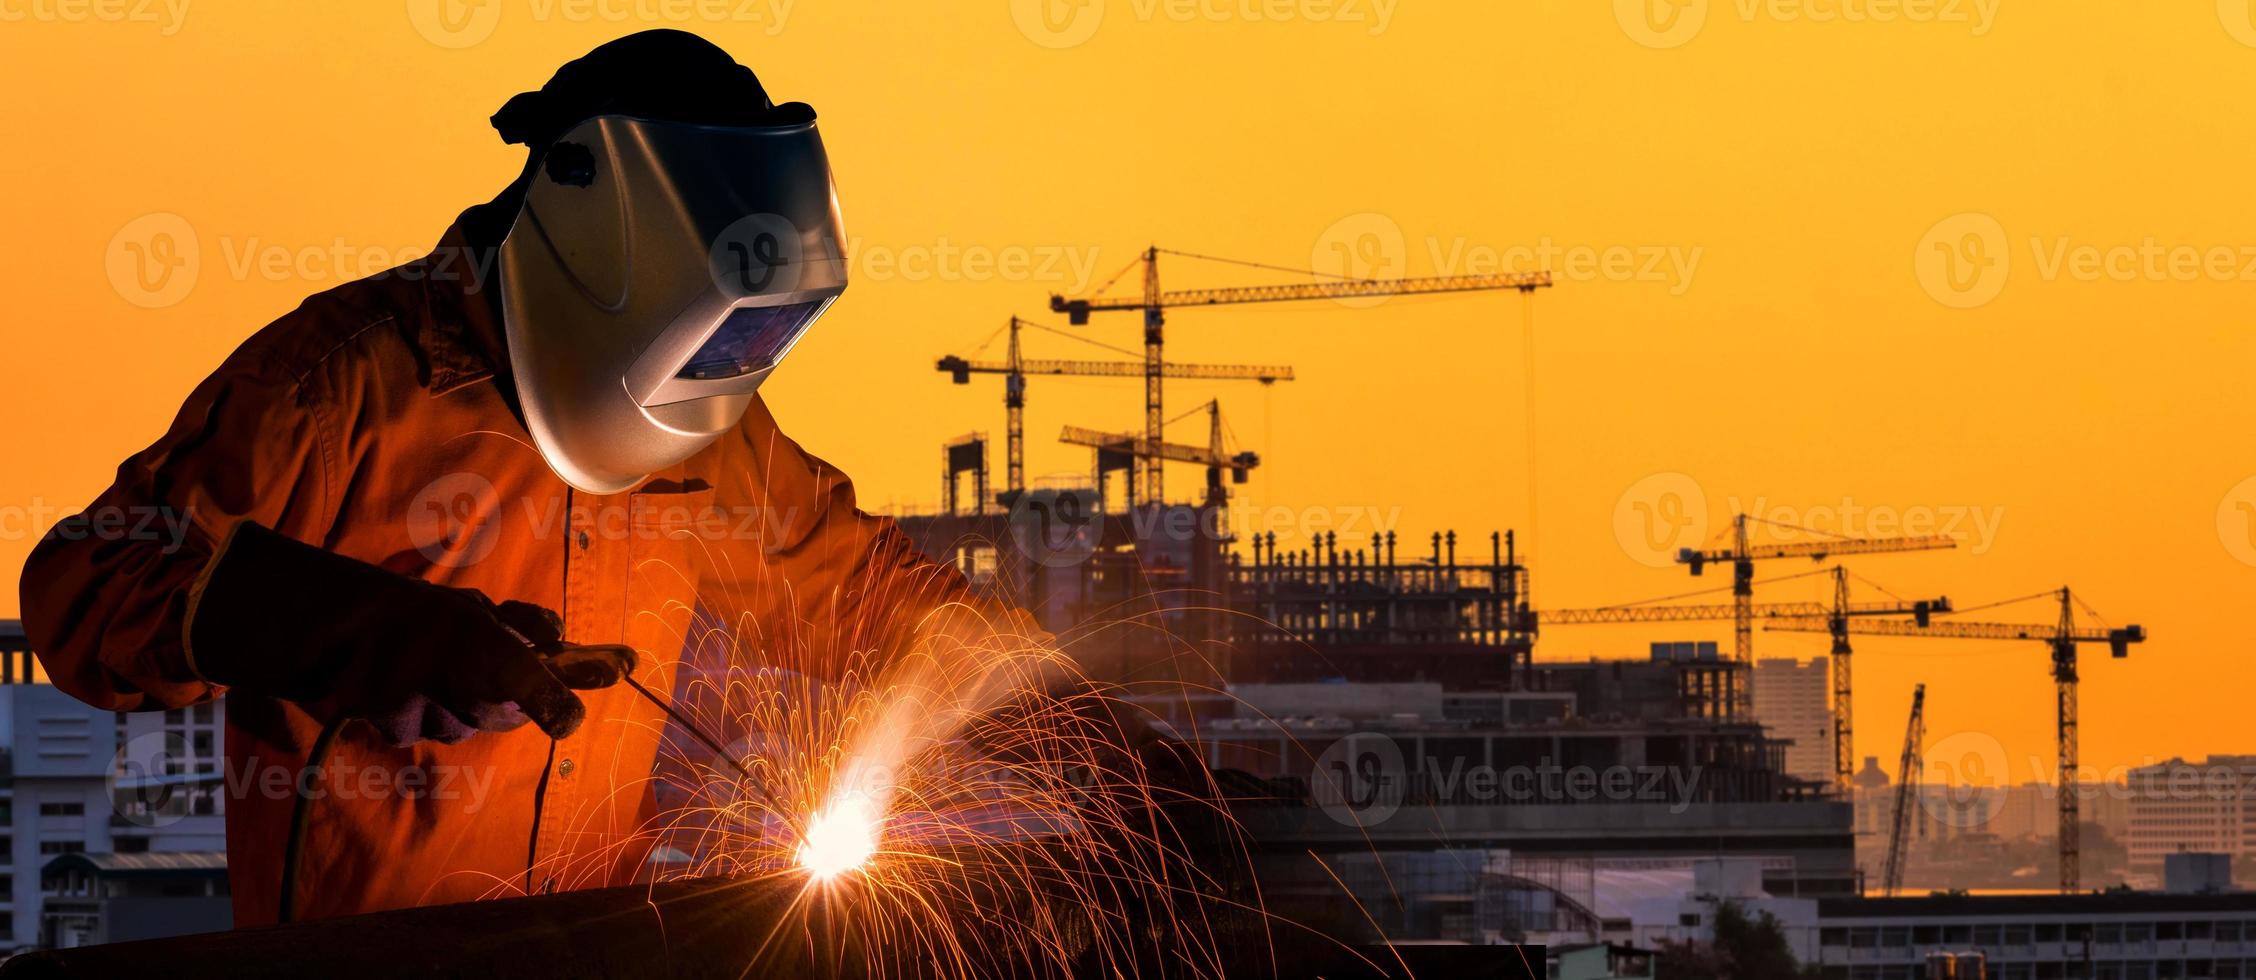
2207,806
1792,700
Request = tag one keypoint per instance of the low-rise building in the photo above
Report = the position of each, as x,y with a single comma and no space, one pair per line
112,898
2102,935
78,780
53,793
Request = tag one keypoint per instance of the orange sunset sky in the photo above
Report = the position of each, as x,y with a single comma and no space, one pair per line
1982,266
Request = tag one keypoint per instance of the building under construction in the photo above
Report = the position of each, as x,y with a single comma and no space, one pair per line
1424,647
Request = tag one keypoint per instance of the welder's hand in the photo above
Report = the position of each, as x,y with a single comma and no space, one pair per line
346,639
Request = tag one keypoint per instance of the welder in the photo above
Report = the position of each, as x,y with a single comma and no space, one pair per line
408,491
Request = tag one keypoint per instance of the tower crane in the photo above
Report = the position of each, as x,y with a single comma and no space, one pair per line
1154,303
1836,616
1743,555
2062,638
1907,781
1016,367
1214,456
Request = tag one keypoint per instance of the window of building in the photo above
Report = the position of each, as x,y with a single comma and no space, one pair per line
2167,931
62,847
130,845
71,808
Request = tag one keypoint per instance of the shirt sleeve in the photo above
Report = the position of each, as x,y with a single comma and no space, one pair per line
105,592
849,585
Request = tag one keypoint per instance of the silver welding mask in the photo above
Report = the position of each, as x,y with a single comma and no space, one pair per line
657,274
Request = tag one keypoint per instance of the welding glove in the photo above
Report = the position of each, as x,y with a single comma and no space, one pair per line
345,639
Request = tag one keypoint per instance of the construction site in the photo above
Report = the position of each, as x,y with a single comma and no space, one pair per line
1407,762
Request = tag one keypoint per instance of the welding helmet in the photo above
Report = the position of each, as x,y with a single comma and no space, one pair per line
655,275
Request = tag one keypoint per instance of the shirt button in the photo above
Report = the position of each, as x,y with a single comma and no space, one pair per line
583,541
565,768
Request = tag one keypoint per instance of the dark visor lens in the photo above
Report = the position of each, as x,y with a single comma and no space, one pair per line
751,339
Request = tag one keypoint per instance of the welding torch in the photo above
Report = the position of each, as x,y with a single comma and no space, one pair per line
600,664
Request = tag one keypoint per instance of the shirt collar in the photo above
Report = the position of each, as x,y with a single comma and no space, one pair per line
461,332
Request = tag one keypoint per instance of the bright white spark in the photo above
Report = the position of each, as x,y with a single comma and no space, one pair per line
840,839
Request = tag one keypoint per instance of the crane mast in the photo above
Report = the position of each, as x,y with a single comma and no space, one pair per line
1907,782
2061,638
1017,367
1742,555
